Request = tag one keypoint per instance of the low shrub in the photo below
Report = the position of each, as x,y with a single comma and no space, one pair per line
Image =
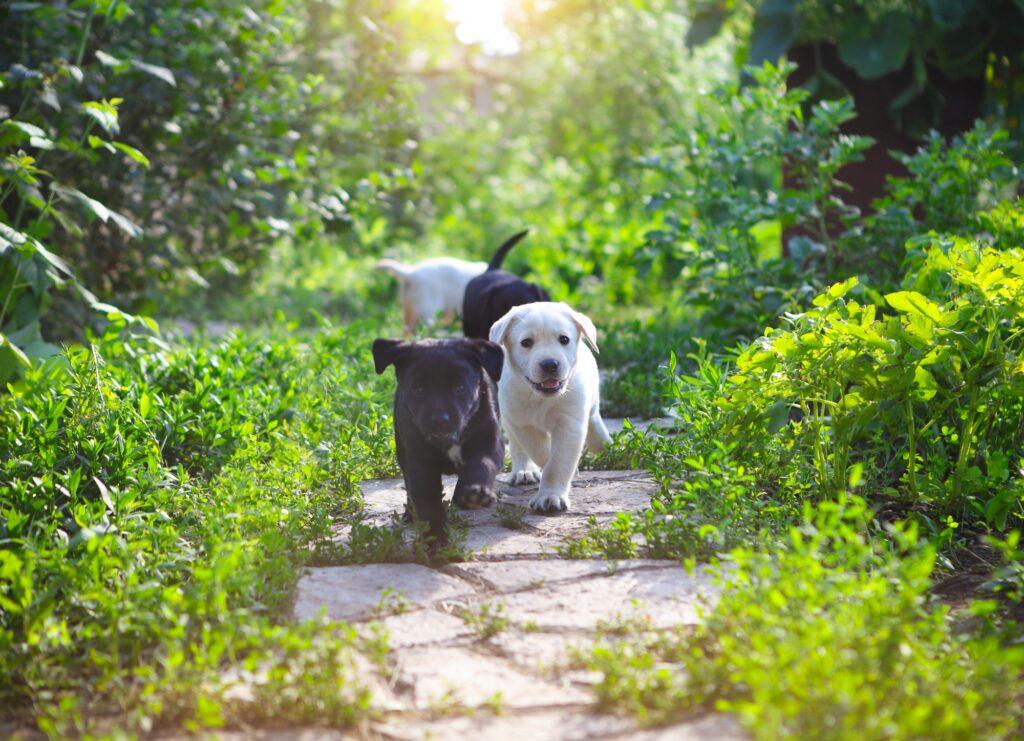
158,501
827,634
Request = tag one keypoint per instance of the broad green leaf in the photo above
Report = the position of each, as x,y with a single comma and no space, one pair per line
161,73
126,225
775,29
875,49
912,302
835,291
96,143
107,60
8,344
924,384
104,113
704,25
133,153
10,237
91,205
36,136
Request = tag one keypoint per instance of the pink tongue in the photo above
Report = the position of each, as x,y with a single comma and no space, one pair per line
550,383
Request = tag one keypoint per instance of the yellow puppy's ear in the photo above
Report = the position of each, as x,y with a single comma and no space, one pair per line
499,330
587,329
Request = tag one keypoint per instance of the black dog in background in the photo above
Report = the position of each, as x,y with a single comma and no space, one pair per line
490,295
446,421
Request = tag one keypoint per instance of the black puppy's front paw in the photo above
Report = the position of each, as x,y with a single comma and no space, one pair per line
474,496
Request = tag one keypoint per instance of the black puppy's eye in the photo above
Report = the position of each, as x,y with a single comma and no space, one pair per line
526,342
563,339
461,386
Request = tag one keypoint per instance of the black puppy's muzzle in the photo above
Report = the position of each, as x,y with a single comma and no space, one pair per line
442,429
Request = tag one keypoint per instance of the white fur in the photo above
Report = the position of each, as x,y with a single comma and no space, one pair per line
547,433
431,287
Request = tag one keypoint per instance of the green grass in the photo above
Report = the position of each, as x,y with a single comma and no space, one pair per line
825,634
160,501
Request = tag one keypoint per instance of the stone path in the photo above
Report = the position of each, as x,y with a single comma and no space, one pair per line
486,648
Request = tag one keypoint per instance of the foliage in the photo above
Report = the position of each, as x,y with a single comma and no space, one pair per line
158,503
827,634
932,42
723,208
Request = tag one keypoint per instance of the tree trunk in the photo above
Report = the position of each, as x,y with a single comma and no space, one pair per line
961,105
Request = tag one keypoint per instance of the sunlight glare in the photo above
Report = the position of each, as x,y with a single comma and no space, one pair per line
483,22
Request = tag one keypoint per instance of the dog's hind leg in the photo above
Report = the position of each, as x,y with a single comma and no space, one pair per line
597,433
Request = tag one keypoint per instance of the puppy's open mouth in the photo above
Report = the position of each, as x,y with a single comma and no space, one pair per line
548,386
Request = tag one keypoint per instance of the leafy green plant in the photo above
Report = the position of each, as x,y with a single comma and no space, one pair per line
928,43
828,632
174,492
486,620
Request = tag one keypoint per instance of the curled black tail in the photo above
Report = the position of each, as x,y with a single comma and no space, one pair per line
499,256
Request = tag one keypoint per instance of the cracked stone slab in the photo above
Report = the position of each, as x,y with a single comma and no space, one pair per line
422,628
545,653
459,675
355,592
593,492
668,597
706,728
537,725
513,576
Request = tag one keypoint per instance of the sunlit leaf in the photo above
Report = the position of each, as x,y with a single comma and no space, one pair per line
161,73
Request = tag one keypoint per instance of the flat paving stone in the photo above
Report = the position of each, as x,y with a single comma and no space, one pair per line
422,628
444,681
669,597
355,592
537,725
544,653
459,675
706,728
513,576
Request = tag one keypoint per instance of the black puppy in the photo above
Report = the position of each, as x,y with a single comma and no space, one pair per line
490,295
446,421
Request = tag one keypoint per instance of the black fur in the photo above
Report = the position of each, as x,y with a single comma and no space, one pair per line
491,295
446,396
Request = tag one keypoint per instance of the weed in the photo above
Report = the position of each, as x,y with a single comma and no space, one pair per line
511,516
487,620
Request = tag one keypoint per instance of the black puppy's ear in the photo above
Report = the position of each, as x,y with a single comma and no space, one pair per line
491,358
387,352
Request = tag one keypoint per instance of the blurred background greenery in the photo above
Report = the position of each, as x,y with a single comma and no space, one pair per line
797,224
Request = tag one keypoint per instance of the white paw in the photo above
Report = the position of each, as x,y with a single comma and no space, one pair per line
550,501
528,475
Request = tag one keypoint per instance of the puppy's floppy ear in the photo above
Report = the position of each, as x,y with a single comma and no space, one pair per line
586,326
492,358
501,327
388,352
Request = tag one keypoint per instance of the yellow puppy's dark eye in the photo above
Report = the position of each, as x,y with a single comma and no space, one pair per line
526,343
564,340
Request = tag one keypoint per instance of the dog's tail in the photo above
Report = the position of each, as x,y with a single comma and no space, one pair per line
499,256
397,269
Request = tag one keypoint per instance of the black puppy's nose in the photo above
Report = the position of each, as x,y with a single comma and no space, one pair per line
440,418
549,366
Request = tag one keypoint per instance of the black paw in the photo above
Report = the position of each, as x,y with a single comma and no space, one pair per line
475,496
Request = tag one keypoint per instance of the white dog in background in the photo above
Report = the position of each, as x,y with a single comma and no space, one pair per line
549,396
431,287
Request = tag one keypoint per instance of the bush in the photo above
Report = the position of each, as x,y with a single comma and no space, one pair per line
158,503
826,635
